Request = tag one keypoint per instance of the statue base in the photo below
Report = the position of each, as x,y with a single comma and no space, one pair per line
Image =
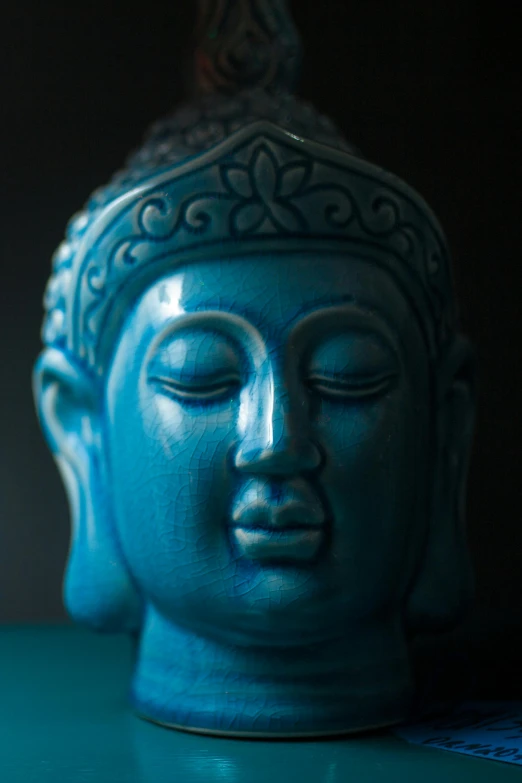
188,682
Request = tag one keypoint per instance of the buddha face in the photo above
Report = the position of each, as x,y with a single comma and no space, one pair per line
267,430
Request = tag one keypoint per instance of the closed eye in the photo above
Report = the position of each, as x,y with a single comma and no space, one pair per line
198,389
353,387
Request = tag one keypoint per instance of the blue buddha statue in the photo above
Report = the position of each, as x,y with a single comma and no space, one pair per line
256,391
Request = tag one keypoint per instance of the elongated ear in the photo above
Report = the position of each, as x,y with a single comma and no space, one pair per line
443,592
98,588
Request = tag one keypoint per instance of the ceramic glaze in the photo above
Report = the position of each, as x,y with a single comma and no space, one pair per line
256,392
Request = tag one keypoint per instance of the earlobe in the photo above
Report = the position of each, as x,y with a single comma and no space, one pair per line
98,589
443,591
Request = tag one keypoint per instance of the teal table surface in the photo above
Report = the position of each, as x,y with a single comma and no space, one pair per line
64,718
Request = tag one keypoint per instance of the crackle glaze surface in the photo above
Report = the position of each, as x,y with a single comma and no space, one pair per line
253,434
256,392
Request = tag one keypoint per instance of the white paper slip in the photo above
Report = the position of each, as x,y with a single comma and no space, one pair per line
489,730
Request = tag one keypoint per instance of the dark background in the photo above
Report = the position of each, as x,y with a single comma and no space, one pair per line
429,90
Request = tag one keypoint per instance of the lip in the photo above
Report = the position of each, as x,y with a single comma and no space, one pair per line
289,544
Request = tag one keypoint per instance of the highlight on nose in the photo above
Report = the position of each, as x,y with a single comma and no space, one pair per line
275,438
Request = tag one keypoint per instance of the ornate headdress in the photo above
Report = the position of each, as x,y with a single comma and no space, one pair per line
244,168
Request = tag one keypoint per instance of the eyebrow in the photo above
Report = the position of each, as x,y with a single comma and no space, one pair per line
352,317
229,324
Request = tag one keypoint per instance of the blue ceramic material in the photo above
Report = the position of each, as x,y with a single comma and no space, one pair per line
256,392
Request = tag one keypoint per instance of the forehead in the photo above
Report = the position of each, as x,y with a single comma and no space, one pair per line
273,292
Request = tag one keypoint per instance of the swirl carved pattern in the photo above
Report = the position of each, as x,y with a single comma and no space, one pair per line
264,191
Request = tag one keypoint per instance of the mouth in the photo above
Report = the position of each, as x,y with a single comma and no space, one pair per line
297,543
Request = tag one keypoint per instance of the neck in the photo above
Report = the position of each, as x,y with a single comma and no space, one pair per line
186,681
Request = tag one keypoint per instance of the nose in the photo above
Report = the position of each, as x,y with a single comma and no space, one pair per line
276,437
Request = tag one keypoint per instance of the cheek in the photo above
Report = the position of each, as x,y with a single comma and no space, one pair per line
175,460
191,445
352,434
370,481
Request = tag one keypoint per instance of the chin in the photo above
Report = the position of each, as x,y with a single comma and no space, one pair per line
279,607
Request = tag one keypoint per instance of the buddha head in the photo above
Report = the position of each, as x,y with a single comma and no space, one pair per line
256,391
